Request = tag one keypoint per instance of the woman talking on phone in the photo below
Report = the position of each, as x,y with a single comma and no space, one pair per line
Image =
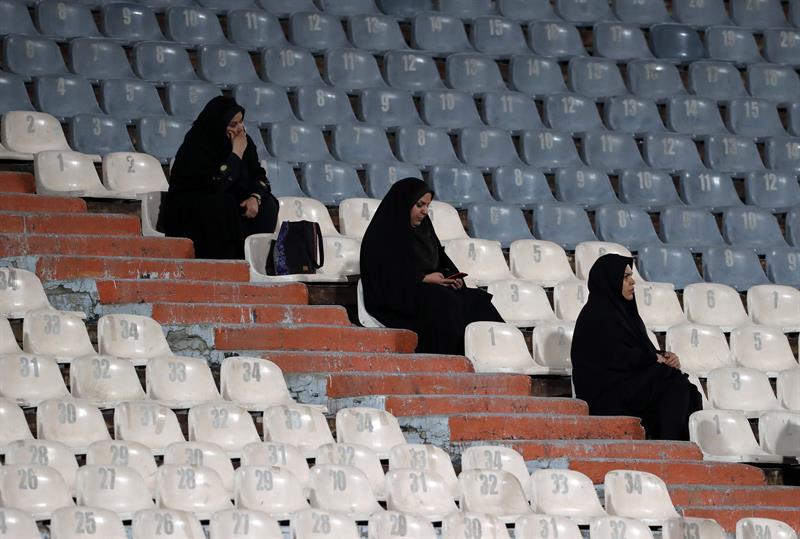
408,280
218,192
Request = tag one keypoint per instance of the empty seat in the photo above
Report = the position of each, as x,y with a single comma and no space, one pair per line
735,267
587,187
8,341
16,18
565,224
763,14
467,9
497,494
701,348
774,305
446,221
783,153
739,388
67,173
59,334
555,39
498,36
552,341
671,152
387,107
774,82
185,99
148,423
319,524
714,304
31,56
595,77
34,488
133,337
74,423
565,493
129,172
130,22
180,382
376,429
306,209
65,20
439,33
116,488
580,12
13,94
299,425
496,347
523,186
732,44
289,66
254,29
47,453
607,526
449,110
707,190
427,458
475,73
627,490
28,380
752,227
664,263
330,182
782,46
14,425
152,522
224,424
521,303
658,305
703,14
279,455
752,527
352,69
694,116
754,118
619,42
20,291
777,433
381,525
297,142
482,260
571,113
104,381
535,75
253,383
549,149
161,136
534,525
162,61
511,111
650,189
420,493
358,456
243,523
272,490
494,457
715,80
76,522
645,14
783,266
487,147
611,151
626,225
632,115
776,191
98,134
99,59
762,347
375,32
706,528
324,106
316,31
689,228
425,146
342,489
225,65
193,26
121,453
654,79
411,71
569,297
355,215
359,144
195,489
725,436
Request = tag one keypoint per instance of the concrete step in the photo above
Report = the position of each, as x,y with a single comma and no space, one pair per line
314,337
220,313
59,267
44,244
17,182
709,496
682,472
125,291
342,385
474,427
417,405
107,224
24,202
728,516
291,361
551,452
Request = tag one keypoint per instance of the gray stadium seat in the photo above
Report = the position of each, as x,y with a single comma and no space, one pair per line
754,117
282,179
708,190
467,9
360,144
316,31
641,12
549,149
13,94
782,46
254,131
627,225
536,76
194,26
793,227
97,134
31,56
352,69
497,36
676,42
498,222
654,79
523,186
794,14
794,118
759,14
783,266
162,61
161,136
404,9
691,228
667,264
185,99
634,115
775,191
570,112
448,109
651,189
732,44
289,66
555,39
619,41
381,176
733,266
265,103
162,5
513,111
487,147
375,33
526,10
749,226
774,82
472,72
330,182
98,59
783,153
297,142
63,96
716,80
284,8
564,224
65,20
584,11
425,146
439,34
701,14
225,65
411,71
388,107
694,116
324,106
670,151
611,151
130,22
595,77
732,153
587,187
345,8
254,29
459,185
225,5
128,99
15,19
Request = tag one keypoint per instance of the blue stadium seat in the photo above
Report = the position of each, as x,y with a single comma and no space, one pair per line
282,179
130,22
330,182
64,96
794,14
596,77
630,226
783,266
459,185
523,186
98,59
31,56
783,153
691,228
128,99
670,151
793,227
555,39
411,71
467,9
404,9
226,65
448,109
732,153
254,29
651,189
584,12
472,72
360,144
774,82
753,117
316,31
375,33
297,142
654,79
564,224
425,146
634,115
381,176
570,112
667,264
694,116
775,191
284,8
732,44
587,187
641,12
497,36
794,118
162,5
225,5
708,190
749,226
513,111
716,80
549,149
187,99
13,94
619,41
439,34
289,66
15,19
194,26
676,42
346,8
65,20
487,147
733,266
161,136
759,15
536,76
265,103
387,107
162,61
700,14
97,134
611,151
254,131
352,69
324,106
526,10
782,46
499,222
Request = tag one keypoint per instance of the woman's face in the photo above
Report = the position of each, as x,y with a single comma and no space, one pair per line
628,284
420,209
235,126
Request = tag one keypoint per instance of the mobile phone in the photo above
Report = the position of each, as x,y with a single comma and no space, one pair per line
459,275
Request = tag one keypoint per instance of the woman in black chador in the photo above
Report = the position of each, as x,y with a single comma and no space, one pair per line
218,192
404,272
615,367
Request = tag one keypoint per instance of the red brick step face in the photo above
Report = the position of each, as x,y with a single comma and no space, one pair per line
674,471
727,517
33,244
70,223
217,313
611,449
301,361
310,337
419,405
56,267
168,291
465,428
707,496
22,202
17,182
357,384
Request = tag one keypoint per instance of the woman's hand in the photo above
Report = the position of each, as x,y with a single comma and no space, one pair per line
250,206
439,278
239,141
670,359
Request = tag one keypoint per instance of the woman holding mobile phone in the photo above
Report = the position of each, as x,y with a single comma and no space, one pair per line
408,280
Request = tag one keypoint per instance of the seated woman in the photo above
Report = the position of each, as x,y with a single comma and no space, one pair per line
218,192
615,367
405,274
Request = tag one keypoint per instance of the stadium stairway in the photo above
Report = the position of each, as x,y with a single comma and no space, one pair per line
99,263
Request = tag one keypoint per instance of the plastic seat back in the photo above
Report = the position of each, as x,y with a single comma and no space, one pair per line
626,225
98,134
782,46
565,224
15,18
161,136
254,29
774,191
569,297
713,304
381,525
446,221
186,99
565,493
503,223
425,146
523,186
760,15
549,149
702,348
496,347
388,107
274,491
318,524
513,111
449,110
778,432
59,334
571,113
289,66
774,305
752,227
725,435
32,132
658,305
496,493
752,527
647,188
65,20
130,22
105,381
30,56
715,80
619,41
736,267
131,172
588,252
459,186
330,182
694,116
161,61
439,33
253,383
739,388
305,209
358,456
521,303
375,32
115,488
376,429
630,502
633,115
498,458
68,173
47,453
704,528
277,454
583,12
689,228
712,191
316,31
418,492
551,343
731,153
494,35
540,261
148,423
8,341
774,82
654,79
225,424
99,59
732,44
28,379
352,69
425,457
282,179
595,77
13,94
195,489
535,75
193,26
121,453
299,425
355,215
471,72
583,186
36,489
535,525
244,523
762,347
650,12
151,522
705,14
664,263
180,381
754,118
342,489
14,425
297,142
226,65
483,260
74,423
555,39
359,144
409,71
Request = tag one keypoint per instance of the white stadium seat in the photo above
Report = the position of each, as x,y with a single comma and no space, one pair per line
117,488
18,524
222,423
418,492
762,347
47,453
726,436
174,524
774,305
377,429
180,382
700,348
392,524
320,524
133,173
34,488
569,297
203,454
133,337
32,132
639,495
305,209
8,341
71,422
355,215
21,291
79,522
587,253
279,455
658,305
473,524
496,457
122,453
426,457
195,489
542,262
497,347
535,526
493,492
786,388
104,381
299,425
243,524
29,379
521,303
700,528
482,260
253,383
446,221
565,493
603,528
364,318
552,343
13,424
59,334
714,304
342,489
779,433
66,173
357,456
758,528
148,423
738,388
341,258
274,491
